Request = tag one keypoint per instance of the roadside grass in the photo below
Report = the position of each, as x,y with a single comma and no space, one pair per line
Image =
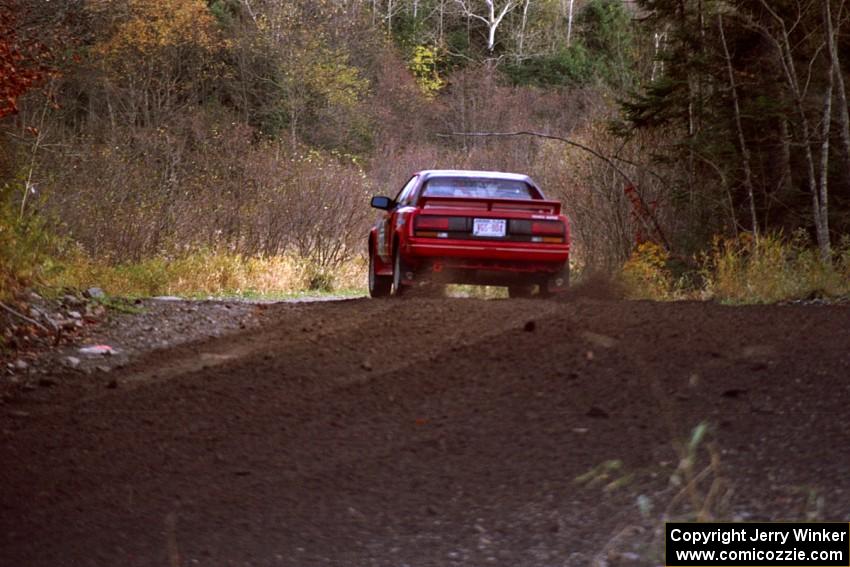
26,247
34,257
697,490
775,269
743,270
212,274
740,270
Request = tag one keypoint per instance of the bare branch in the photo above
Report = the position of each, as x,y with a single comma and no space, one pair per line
24,317
470,14
655,225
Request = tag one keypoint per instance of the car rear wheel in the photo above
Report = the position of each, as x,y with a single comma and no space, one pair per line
520,291
379,286
398,287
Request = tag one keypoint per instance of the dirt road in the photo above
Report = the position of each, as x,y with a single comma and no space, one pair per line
431,432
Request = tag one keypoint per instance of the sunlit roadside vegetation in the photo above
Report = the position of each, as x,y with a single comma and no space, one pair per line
770,269
213,146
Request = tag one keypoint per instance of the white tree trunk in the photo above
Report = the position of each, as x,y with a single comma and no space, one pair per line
522,29
832,31
821,196
742,141
786,59
493,18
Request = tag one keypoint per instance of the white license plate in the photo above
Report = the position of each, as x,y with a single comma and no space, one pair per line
491,228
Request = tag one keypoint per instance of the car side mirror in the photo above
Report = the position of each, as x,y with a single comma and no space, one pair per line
384,203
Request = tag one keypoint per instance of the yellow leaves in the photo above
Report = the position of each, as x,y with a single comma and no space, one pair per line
155,25
339,83
323,73
645,273
423,65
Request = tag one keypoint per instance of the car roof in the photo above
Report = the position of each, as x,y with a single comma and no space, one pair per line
472,173
431,173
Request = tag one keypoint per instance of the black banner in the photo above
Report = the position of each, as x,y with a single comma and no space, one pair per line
801,544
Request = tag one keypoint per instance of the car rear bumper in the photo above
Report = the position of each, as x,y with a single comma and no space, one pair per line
511,253
483,263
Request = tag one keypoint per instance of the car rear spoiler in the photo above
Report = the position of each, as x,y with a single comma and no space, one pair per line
539,206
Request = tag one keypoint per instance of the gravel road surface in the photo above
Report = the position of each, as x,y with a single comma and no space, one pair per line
431,432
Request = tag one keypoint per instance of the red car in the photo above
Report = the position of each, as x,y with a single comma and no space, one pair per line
469,227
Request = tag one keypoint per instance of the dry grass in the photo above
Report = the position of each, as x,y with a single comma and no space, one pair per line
774,269
743,270
209,273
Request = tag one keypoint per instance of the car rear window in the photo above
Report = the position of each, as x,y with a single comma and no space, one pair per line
478,187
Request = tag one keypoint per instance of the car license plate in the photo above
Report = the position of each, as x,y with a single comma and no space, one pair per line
490,228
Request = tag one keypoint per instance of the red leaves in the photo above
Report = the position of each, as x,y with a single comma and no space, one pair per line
18,69
641,213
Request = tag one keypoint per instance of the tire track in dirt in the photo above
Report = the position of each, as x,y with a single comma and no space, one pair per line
459,444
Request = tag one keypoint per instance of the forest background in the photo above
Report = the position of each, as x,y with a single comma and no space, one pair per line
231,146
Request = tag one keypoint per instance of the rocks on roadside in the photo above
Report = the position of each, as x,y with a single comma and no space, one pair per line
95,310
70,300
50,319
72,321
95,293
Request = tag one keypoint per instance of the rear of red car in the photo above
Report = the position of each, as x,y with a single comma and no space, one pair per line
472,227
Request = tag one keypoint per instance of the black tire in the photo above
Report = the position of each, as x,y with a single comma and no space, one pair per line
379,286
520,291
398,288
556,283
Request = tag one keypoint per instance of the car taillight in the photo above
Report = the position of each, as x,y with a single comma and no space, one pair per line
435,226
548,228
430,222
549,232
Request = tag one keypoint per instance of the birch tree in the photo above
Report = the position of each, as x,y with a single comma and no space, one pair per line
832,30
494,15
736,107
780,37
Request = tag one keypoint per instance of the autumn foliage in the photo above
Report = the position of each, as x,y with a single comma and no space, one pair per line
260,127
20,70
